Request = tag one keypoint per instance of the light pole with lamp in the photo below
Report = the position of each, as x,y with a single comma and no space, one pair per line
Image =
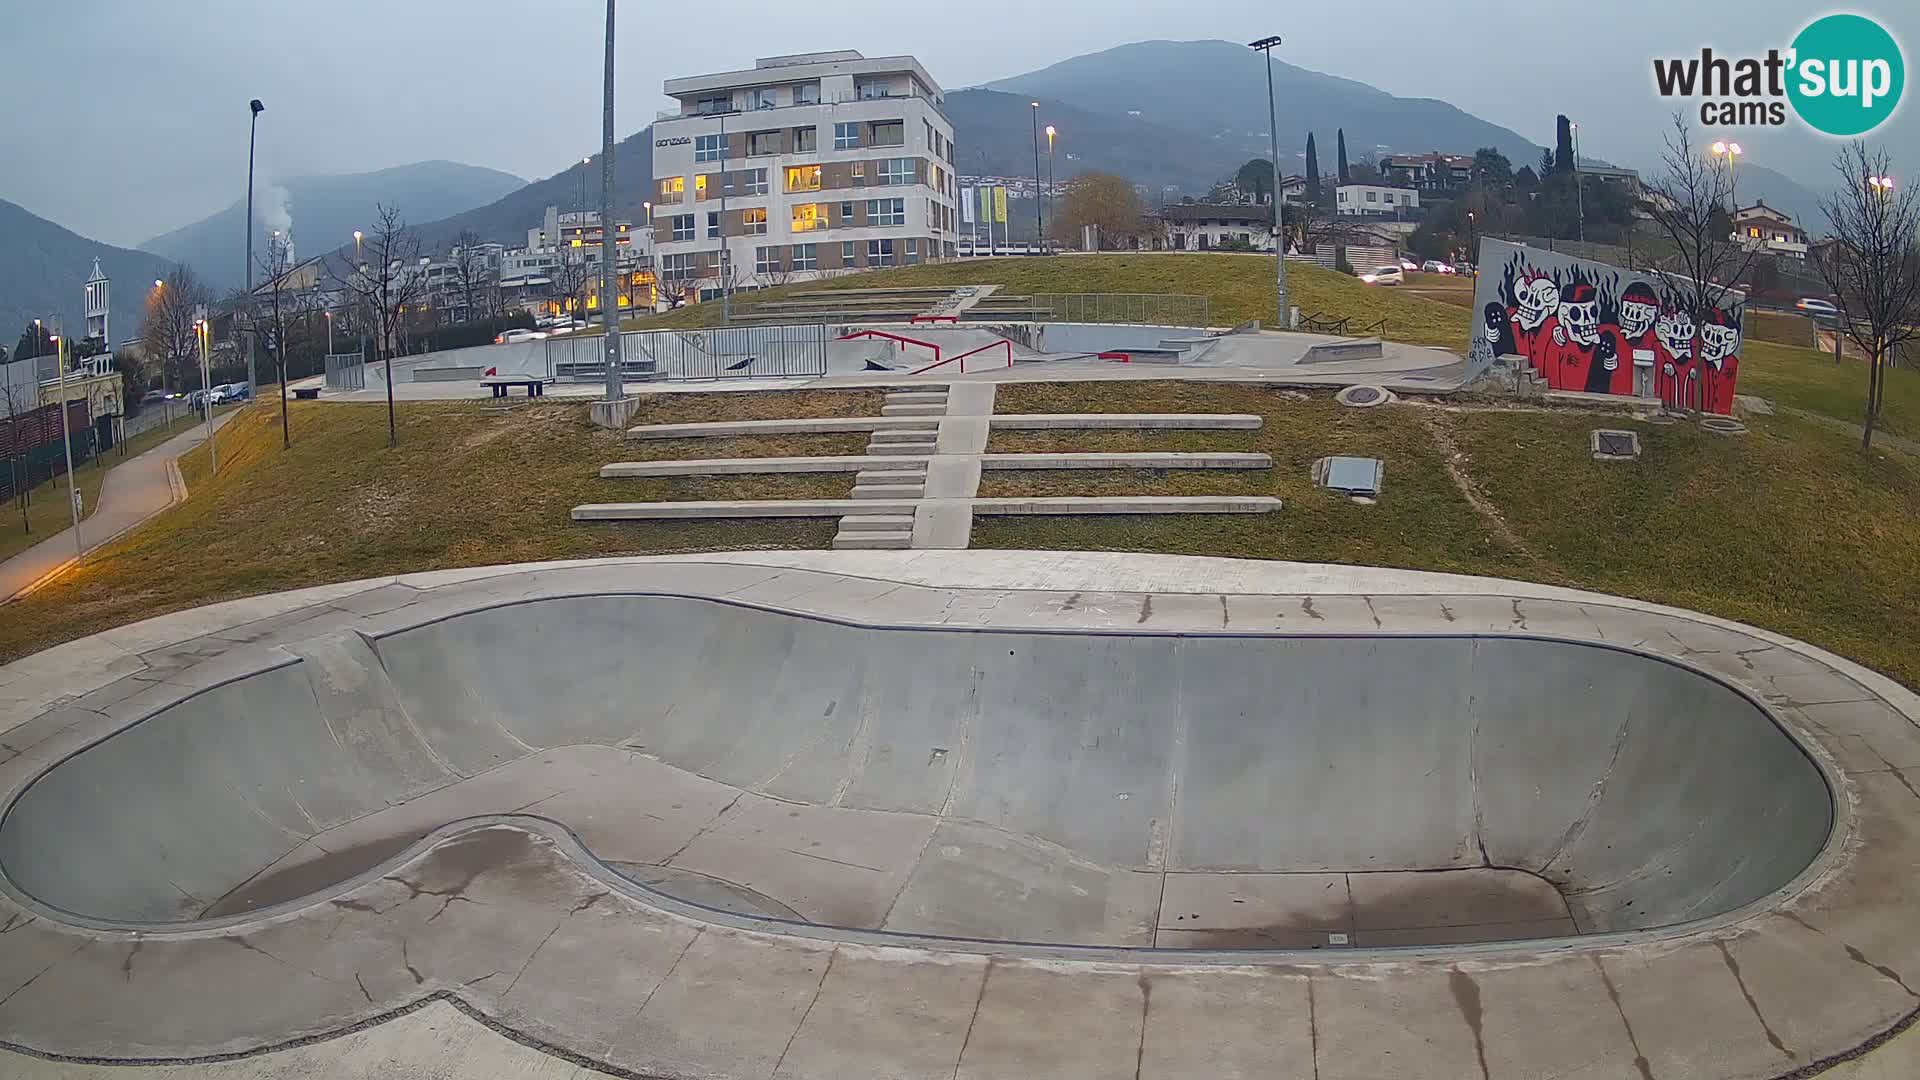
203,330
609,271
1039,224
66,443
1051,132
253,127
1265,47
1579,188
1731,151
1473,247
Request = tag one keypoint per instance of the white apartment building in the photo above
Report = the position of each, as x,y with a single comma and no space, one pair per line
1374,199
804,166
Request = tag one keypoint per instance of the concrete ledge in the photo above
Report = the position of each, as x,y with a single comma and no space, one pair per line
735,466
448,374
816,425
1328,352
1130,504
739,508
1134,421
617,413
1182,460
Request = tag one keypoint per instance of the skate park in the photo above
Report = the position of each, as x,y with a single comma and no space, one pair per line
919,813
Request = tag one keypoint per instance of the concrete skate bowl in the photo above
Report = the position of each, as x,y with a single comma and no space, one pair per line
1062,789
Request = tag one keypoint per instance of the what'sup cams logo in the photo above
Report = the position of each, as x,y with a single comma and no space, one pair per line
1843,75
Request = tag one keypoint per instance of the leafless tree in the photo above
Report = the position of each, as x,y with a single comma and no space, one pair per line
569,276
269,311
1690,204
167,333
385,282
1873,267
472,277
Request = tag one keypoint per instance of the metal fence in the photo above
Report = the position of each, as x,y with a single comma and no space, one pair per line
740,352
346,371
1145,309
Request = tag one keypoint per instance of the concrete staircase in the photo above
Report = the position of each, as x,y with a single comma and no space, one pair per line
898,470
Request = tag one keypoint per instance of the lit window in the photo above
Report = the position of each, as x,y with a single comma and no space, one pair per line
706,147
699,187
754,221
803,178
805,257
808,217
672,189
896,171
683,226
846,136
886,211
766,260
713,225
879,253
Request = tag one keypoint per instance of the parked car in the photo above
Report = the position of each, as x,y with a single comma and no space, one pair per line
152,397
1409,264
1385,275
1816,307
514,337
240,391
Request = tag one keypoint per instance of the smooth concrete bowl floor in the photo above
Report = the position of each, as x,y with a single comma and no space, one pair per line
1128,789
970,814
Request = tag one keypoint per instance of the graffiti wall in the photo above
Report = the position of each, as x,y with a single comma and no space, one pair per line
1587,326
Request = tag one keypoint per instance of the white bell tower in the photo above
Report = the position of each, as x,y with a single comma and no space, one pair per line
97,305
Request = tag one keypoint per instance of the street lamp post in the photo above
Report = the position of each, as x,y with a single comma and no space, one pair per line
1039,222
609,288
329,333
203,328
1731,151
253,126
1473,251
1579,188
66,443
1265,46
1051,132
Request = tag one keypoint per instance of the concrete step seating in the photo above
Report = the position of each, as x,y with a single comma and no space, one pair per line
913,449
858,523
890,475
888,491
904,435
898,540
837,508
917,397
913,410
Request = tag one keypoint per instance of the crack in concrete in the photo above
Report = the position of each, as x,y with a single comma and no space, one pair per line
1306,605
1734,967
1145,982
811,1002
1313,1027
966,1039
1466,995
1377,624
1613,994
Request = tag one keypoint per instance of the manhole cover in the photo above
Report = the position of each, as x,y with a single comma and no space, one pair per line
1363,397
1722,425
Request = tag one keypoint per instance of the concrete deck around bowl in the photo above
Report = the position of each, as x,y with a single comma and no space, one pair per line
510,918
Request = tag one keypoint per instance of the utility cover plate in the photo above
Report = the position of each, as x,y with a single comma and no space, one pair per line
1354,475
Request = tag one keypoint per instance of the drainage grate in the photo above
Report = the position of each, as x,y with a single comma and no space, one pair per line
1615,445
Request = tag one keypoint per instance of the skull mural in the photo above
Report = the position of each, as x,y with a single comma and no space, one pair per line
1580,313
1537,300
1675,330
1638,309
1719,338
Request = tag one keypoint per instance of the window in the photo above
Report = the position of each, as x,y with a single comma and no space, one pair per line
933,141
762,143
1373,196
879,253
805,257
720,104
886,211
849,253
766,260
875,89
809,217
846,213
683,226
753,221
803,178
672,189
858,171
889,133
713,225
846,136
706,147
677,266
806,93
762,97
806,140
700,187
913,251
897,170
752,182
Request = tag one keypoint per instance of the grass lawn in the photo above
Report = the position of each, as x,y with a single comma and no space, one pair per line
47,514
1239,287
1788,528
1809,379
468,485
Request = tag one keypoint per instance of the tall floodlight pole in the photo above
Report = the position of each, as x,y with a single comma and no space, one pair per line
253,126
1579,188
1048,194
1265,46
1039,222
609,271
66,442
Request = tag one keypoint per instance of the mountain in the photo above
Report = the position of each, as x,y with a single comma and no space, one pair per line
1757,182
507,218
993,134
323,211
44,267
1217,90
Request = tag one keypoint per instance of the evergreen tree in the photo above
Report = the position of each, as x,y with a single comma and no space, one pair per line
1346,176
1563,144
1313,171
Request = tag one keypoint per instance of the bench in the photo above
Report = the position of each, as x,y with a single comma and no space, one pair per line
306,393
536,385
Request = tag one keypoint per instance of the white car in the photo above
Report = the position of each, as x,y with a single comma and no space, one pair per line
515,337
1409,264
1385,275
1816,307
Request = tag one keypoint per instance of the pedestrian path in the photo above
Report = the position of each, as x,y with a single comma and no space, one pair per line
133,491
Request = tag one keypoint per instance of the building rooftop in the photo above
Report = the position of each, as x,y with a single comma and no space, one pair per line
1223,212
775,70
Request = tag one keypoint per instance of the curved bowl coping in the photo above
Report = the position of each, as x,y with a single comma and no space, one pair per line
1838,829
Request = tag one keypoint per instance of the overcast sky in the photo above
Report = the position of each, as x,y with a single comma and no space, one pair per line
126,118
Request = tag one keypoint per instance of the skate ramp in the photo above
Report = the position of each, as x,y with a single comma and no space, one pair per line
1052,787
